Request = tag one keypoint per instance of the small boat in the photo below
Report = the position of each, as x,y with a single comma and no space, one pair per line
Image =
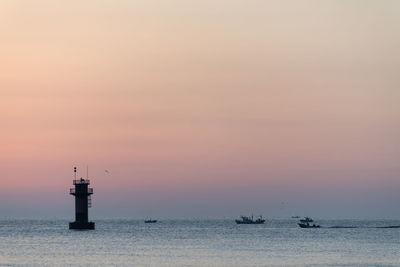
150,221
250,220
306,220
307,225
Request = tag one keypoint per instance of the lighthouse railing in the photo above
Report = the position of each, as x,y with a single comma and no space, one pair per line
73,191
82,181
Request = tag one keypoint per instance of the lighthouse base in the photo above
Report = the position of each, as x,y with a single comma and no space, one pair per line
81,225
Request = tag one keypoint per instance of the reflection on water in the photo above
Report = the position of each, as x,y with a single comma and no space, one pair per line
200,243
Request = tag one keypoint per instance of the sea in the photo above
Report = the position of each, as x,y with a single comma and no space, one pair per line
278,242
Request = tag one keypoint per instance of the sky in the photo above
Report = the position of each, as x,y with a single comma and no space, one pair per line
200,109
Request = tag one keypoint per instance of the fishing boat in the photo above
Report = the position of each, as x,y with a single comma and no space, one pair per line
250,220
306,220
305,223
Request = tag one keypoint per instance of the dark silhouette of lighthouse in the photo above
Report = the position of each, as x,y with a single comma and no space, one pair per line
83,202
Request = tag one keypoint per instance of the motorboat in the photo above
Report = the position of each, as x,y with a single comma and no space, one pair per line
250,220
307,225
306,220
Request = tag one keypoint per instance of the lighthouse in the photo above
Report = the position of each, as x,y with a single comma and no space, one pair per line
83,202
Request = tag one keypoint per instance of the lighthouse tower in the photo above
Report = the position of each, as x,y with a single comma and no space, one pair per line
83,202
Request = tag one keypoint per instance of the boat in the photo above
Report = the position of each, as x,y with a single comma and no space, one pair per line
306,220
307,225
295,217
250,220
150,221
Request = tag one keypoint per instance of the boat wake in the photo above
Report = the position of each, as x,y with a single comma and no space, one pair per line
343,227
374,227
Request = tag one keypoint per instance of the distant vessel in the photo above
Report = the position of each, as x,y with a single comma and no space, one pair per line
305,223
306,220
250,220
150,221
295,217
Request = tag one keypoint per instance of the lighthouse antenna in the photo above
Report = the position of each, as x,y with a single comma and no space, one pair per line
87,172
74,173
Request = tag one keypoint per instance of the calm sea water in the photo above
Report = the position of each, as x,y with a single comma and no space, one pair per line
198,243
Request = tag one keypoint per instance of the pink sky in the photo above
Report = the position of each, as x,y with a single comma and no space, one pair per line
226,107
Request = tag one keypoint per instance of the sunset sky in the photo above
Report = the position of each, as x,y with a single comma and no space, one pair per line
210,108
